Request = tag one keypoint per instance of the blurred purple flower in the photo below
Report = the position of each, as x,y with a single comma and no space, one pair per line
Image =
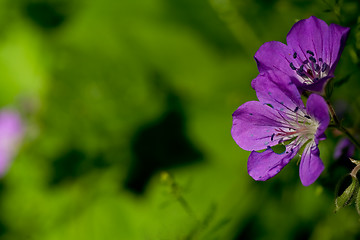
310,56
280,117
344,148
11,133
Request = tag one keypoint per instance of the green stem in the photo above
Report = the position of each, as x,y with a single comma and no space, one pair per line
333,114
351,137
340,127
175,190
354,171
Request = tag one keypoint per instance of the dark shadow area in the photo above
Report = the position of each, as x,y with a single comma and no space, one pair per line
249,229
252,228
339,165
201,17
74,163
3,226
303,231
161,144
46,14
335,171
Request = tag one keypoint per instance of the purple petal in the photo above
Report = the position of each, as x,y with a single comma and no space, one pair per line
317,87
254,124
310,34
265,165
320,137
338,36
317,108
311,165
276,89
326,42
11,132
274,56
344,148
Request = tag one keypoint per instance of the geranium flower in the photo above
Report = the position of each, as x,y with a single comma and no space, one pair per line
310,57
279,117
11,133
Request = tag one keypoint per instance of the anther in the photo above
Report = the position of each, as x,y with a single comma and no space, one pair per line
296,109
300,73
292,66
294,55
324,67
272,136
311,58
317,67
301,68
308,117
310,52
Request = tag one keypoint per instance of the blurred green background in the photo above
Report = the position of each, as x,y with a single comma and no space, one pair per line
128,109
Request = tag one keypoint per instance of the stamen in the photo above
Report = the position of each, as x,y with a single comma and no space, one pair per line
296,129
300,72
310,52
292,66
317,68
311,69
324,67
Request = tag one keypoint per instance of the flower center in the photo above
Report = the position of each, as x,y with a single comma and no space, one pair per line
310,70
297,128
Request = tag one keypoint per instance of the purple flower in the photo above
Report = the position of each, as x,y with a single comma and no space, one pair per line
344,148
279,117
11,133
310,56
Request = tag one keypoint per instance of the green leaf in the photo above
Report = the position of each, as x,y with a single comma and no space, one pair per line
357,201
348,196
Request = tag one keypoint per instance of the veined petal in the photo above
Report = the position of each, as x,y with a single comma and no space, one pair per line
277,89
274,56
326,42
310,34
265,165
338,36
311,165
310,56
317,108
317,87
254,124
